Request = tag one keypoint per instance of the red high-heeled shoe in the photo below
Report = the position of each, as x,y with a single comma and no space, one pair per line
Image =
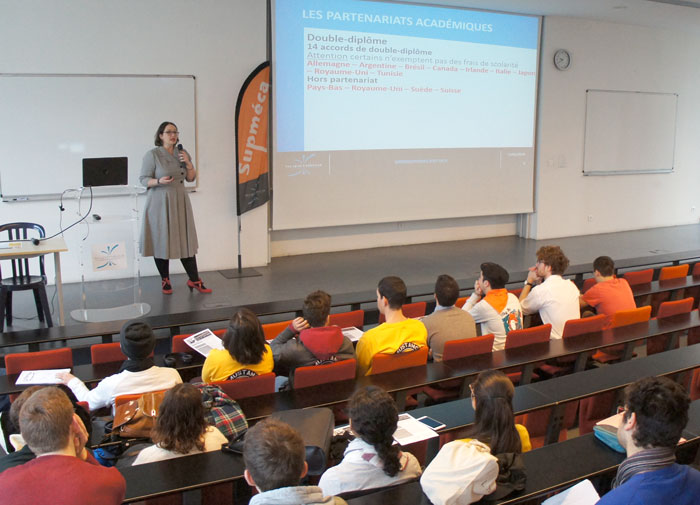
167,287
198,285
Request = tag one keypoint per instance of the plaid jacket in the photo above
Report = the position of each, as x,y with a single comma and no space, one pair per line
222,411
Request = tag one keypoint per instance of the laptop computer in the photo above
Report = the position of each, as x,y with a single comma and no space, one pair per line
105,171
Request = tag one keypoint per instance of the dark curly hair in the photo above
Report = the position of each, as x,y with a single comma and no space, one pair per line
494,423
373,416
553,256
244,338
661,409
181,422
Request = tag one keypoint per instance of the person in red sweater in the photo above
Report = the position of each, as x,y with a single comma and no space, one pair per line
64,471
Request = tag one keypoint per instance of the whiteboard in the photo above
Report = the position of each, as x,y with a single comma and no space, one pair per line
629,132
49,123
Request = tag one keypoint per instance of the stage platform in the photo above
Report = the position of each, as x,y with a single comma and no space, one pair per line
353,271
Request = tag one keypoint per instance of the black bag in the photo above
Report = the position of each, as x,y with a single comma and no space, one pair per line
316,428
511,476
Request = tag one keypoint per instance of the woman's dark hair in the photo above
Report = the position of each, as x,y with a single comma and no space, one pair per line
244,338
158,141
181,421
494,423
374,416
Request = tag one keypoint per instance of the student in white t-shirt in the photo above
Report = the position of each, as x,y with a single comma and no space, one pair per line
547,292
181,427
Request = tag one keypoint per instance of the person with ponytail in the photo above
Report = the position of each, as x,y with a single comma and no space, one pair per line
370,460
494,423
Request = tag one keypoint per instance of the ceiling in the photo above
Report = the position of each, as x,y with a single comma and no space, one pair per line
669,14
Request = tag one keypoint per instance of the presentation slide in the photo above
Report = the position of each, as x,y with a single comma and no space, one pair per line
369,94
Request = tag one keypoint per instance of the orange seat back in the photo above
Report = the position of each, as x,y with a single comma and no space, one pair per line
178,343
633,316
106,353
639,277
246,387
382,363
461,301
455,349
271,330
413,310
575,327
344,319
528,336
674,272
306,376
668,309
40,360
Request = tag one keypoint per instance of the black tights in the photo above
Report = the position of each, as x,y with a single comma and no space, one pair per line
190,265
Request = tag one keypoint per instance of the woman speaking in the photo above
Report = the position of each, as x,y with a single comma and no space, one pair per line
168,223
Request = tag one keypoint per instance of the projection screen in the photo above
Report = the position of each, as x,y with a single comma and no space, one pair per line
386,111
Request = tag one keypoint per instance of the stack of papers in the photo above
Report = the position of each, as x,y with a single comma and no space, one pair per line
410,430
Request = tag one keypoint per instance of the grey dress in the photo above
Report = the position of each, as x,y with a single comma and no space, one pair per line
167,229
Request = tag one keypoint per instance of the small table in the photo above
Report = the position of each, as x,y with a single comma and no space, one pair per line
25,249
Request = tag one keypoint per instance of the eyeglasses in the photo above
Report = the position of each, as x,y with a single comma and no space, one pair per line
170,133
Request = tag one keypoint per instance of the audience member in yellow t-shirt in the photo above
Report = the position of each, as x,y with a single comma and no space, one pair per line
246,353
397,334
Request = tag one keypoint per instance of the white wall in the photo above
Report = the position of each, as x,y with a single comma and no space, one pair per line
221,41
617,57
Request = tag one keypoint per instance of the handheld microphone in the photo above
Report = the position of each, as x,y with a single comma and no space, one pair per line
180,148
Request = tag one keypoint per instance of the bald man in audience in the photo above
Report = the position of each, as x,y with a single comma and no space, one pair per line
63,472
547,292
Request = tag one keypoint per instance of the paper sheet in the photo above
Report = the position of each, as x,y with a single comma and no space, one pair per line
204,341
40,376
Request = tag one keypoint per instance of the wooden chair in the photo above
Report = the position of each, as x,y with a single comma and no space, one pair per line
22,279
306,376
572,328
622,318
667,309
271,330
457,349
248,386
520,338
178,342
344,319
382,363
412,310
